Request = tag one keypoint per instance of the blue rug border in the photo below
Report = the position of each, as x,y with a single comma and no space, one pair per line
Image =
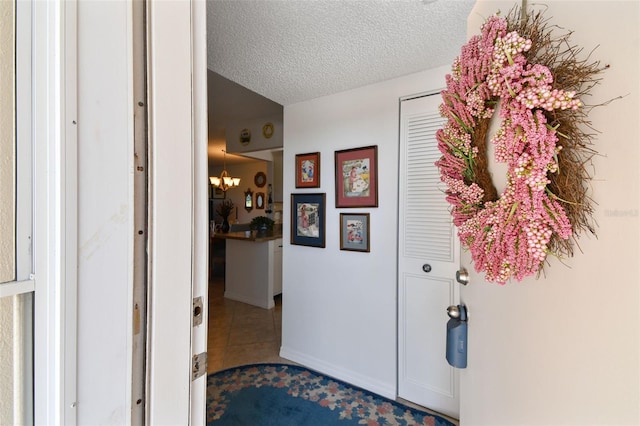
342,382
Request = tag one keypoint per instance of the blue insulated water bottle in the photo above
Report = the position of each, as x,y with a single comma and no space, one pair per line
457,336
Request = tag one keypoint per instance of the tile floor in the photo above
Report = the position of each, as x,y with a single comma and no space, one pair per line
239,333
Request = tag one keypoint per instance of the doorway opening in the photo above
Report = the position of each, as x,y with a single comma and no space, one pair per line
239,332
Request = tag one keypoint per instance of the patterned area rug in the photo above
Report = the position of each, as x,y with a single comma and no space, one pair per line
282,395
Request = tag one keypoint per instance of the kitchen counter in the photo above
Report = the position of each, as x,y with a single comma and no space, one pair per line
253,267
250,236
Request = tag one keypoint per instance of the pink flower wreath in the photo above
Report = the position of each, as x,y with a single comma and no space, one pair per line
508,236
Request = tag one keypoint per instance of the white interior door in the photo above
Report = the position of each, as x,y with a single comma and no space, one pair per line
200,188
427,242
178,211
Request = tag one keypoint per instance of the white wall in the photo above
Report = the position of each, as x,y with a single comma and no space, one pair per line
339,307
105,228
564,349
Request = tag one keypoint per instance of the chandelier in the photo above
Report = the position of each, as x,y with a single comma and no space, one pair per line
225,181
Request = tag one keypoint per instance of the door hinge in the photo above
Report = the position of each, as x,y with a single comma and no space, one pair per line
198,365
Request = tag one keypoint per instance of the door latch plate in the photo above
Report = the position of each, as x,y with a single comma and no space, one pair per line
197,311
198,365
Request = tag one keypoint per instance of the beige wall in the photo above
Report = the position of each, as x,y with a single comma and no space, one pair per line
8,315
7,143
564,349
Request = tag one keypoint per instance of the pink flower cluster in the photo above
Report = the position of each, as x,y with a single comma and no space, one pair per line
512,76
507,238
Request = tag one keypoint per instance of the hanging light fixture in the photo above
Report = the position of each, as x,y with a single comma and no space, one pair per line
225,181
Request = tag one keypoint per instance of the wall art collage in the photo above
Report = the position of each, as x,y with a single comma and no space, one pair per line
356,185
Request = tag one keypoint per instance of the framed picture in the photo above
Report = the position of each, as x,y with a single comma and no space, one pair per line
216,193
308,219
357,177
248,200
308,170
354,231
260,200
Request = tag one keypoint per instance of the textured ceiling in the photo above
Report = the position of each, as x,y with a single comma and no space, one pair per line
295,50
287,51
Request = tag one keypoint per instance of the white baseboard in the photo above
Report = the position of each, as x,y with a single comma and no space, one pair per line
384,389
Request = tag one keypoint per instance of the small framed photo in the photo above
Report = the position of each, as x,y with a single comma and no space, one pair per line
260,200
308,219
308,170
357,177
354,232
216,193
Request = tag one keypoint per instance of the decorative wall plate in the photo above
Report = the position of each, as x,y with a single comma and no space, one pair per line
260,179
245,136
267,130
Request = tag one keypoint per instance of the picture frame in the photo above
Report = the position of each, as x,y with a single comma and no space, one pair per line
260,200
308,170
357,177
354,232
308,219
217,193
248,200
